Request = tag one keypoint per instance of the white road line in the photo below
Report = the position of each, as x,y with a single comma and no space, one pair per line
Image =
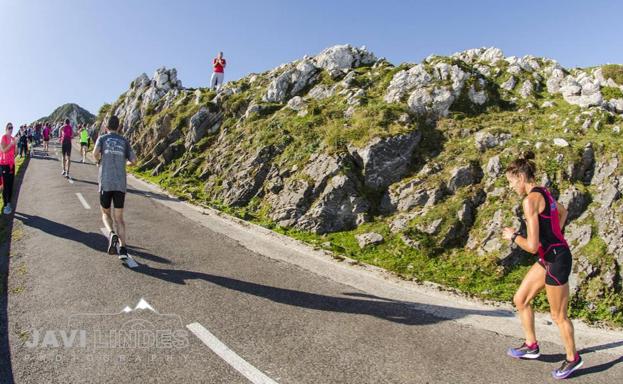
238,363
83,201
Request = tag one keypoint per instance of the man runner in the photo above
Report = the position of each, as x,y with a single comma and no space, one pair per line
112,152
67,134
84,142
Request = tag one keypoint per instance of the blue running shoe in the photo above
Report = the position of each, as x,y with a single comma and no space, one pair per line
525,352
567,368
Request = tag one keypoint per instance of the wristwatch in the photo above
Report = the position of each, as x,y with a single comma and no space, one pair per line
514,237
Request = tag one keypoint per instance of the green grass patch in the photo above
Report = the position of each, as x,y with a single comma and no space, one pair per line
614,72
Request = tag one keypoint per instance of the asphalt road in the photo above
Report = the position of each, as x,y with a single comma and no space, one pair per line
221,313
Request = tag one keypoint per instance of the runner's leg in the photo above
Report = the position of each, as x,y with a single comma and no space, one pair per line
120,225
107,219
532,284
558,298
7,192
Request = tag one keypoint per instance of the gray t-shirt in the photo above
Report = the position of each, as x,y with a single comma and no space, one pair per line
116,151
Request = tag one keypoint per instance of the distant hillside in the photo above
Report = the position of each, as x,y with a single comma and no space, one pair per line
75,113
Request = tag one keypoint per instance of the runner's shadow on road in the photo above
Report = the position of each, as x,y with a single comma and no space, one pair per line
386,309
93,240
589,370
597,368
84,181
143,254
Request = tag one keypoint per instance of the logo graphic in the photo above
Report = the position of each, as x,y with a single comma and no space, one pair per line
136,330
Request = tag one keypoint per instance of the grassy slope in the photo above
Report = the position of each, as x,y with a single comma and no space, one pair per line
324,128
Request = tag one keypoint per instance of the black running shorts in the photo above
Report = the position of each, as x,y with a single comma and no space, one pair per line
83,144
557,266
66,148
116,197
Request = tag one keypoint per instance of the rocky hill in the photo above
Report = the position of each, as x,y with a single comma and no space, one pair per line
401,166
75,113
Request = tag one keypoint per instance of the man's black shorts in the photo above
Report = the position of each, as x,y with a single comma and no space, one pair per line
84,145
67,148
116,197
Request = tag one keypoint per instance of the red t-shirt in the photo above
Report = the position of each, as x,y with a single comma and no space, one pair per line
46,133
8,157
218,67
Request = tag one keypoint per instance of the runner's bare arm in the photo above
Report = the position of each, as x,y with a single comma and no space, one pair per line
562,215
97,155
132,160
531,213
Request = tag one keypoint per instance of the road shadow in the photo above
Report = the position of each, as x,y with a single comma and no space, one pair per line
84,181
95,241
6,369
557,358
598,368
382,308
143,254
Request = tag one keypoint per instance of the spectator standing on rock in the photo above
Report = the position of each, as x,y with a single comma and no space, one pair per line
218,65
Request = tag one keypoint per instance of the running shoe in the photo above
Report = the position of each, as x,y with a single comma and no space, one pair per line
7,209
63,173
123,253
567,368
112,243
525,352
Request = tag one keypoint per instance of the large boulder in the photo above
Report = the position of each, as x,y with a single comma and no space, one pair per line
489,55
298,192
292,82
434,103
485,140
604,169
575,201
464,175
410,194
494,167
583,169
201,123
581,90
386,160
339,207
247,177
406,81
370,238
341,58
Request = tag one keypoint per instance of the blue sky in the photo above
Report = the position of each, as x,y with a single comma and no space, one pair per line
88,51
